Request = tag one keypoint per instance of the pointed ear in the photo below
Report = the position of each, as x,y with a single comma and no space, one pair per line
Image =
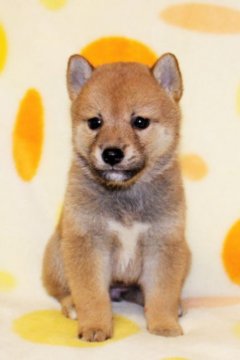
167,73
79,70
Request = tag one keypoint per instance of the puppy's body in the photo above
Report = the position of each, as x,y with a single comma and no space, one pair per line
124,212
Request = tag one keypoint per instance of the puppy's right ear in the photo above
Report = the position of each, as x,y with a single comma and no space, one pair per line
79,70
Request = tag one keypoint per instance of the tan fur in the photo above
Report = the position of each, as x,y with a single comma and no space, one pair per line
117,227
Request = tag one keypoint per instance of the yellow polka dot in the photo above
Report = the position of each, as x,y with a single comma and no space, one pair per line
175,358
51,327
208,18
54,4
113,49
3,48
236,329
28,135
231,253
193,167
238,100
7,281
59,213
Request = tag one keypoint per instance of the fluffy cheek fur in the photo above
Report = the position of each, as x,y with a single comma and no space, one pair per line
82,139
158,142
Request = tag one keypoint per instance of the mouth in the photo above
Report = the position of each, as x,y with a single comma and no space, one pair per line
112,175
118,176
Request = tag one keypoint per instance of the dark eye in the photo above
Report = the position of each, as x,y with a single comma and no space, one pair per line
140,123
94,123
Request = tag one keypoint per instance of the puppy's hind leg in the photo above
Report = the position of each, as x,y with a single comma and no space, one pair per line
53,275
68,307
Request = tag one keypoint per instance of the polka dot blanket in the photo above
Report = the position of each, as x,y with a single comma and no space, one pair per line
36,39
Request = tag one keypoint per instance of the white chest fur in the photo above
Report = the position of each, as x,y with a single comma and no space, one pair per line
128,237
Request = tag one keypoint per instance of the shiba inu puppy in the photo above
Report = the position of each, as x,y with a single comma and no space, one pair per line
124,212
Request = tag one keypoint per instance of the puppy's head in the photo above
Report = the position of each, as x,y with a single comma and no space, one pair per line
125,118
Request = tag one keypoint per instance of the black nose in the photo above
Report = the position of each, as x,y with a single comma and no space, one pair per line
112,156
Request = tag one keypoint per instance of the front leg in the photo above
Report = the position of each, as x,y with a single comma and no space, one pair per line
88,272
165,268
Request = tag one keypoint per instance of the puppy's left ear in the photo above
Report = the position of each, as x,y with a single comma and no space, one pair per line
167,73
79,70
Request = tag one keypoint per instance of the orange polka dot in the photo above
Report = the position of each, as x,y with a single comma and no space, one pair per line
206,18
28,135
231,253
193,167
3,48
113,49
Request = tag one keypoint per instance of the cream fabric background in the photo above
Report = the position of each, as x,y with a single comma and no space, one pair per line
40,36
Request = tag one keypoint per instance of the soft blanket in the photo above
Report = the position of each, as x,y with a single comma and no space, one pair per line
36,39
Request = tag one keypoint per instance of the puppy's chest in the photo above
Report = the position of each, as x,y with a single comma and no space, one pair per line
126,245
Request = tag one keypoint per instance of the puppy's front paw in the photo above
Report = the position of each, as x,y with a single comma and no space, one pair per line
95,334
168,329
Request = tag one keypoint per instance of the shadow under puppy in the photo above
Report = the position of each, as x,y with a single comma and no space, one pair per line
124,211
